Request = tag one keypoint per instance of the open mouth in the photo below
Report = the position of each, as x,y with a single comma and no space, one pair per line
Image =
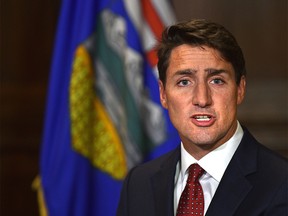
202,118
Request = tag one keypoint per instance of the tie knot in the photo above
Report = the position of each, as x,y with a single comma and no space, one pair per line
195,172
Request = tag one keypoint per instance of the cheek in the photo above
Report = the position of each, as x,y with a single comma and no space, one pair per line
226,104
176,106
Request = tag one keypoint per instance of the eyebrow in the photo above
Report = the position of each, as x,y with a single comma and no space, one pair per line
210,71
185,72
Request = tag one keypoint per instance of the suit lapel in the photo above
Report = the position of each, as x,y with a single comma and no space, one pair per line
163,185
230,193
234,186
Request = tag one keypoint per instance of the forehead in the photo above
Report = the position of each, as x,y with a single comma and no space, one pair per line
191,57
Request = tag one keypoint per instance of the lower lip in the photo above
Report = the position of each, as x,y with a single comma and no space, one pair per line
203,123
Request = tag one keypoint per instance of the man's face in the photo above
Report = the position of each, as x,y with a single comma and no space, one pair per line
201,96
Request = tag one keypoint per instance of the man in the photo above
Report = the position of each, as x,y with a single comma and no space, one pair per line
202,80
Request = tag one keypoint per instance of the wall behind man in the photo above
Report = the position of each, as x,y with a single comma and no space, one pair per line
27,36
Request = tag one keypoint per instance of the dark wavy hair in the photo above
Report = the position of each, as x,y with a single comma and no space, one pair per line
198,33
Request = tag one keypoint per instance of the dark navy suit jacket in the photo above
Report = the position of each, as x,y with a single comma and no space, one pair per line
254,183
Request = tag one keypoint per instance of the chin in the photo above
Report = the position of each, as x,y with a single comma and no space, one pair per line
208,140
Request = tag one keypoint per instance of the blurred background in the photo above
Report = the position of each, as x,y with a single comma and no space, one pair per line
27,37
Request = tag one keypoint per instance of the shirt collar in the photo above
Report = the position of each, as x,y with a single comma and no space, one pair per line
216,161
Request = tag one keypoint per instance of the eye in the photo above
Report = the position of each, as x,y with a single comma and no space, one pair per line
183,83
217,81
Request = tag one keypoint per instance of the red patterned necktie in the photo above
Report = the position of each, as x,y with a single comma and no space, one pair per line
192,200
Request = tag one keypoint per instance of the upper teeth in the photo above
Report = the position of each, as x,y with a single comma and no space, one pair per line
202,118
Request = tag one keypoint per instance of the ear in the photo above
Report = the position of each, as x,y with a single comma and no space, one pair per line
163,98
241,90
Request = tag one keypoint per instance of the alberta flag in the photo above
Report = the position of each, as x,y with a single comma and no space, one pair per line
103,113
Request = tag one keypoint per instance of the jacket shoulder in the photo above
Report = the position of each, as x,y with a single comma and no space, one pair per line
155,165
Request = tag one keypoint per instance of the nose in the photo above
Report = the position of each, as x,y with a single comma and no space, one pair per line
202,95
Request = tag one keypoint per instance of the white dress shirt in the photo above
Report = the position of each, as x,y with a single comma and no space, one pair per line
214,163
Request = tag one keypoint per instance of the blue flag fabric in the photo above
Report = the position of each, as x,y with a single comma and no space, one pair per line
103,103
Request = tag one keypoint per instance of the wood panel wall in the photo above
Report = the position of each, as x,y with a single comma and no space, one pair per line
27,36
